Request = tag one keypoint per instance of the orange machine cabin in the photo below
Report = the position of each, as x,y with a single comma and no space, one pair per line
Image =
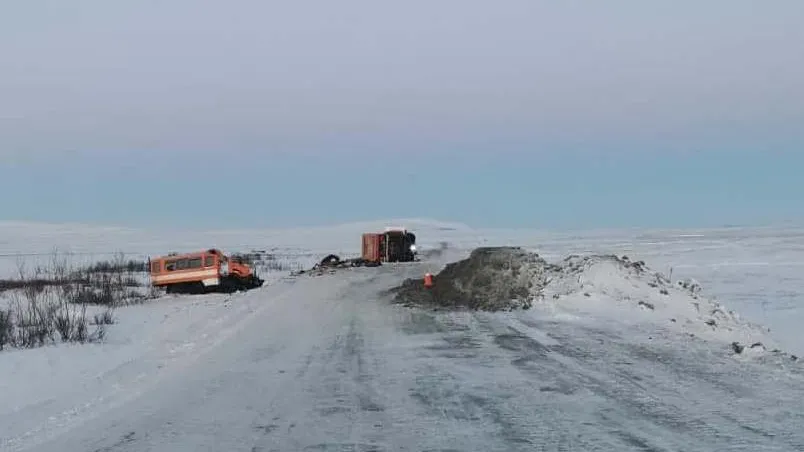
200,267
200,271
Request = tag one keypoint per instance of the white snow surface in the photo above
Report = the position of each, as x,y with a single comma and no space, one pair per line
598,286
325,363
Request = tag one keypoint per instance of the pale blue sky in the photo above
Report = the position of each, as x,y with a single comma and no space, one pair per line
515,113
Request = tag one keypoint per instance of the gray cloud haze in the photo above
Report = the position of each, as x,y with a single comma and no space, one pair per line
291,76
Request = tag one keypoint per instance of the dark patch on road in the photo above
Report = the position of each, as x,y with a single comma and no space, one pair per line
263,354
463,341
538,324
452,324
757,431
346,387
355,353
421,322
749,428
306,365
329,411
457,346
365,403
344,447
706,367
560,387
632,440
575,352
267,429
452,354
445,396
516,341
441,396
128,438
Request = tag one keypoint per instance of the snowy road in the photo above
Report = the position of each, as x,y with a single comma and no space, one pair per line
324,365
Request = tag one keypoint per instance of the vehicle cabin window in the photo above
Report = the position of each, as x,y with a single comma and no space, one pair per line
170,266
194,262
155,267
210,261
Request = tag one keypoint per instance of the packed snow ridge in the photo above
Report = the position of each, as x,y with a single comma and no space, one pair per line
602,286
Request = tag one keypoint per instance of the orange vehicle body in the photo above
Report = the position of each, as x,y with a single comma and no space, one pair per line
373,245
393,245
203,271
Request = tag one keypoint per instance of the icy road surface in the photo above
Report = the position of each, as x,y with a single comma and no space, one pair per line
323,364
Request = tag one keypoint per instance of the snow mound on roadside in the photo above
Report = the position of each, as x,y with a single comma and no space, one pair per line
629,291
490,279
595,287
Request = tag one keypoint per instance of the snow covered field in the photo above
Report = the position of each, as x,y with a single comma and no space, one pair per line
323,364
758,272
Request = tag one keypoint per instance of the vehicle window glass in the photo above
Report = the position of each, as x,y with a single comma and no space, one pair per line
194,262
210,261
181,264
170,266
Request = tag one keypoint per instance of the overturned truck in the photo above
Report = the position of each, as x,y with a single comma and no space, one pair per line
392,245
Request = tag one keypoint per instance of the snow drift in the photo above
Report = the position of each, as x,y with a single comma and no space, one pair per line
490,279
629,291
602,286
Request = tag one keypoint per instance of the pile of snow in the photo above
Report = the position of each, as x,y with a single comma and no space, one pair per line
490,279
628,291
605,287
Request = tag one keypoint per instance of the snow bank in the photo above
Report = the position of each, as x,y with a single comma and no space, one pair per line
604,288
490,279
622,290
147,342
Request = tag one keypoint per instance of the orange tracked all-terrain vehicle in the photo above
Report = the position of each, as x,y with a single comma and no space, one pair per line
201,272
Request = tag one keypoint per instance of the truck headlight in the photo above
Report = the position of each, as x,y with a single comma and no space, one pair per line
413,248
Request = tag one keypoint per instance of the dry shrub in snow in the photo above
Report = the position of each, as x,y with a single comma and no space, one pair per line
6,328
43,318
109,283
104,318
49,304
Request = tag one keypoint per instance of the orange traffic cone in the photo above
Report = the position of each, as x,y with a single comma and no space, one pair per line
428,280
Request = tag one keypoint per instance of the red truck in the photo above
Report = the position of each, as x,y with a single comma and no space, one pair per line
392,245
